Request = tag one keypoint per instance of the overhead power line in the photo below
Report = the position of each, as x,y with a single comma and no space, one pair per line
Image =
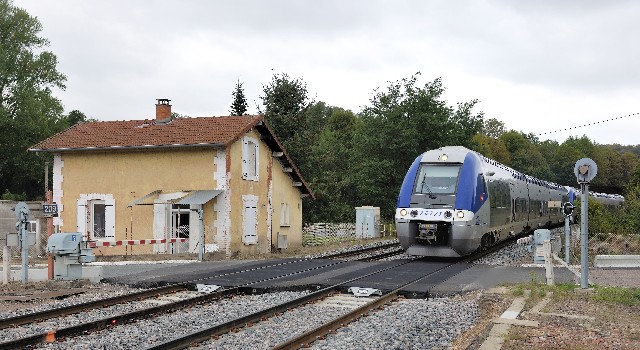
582,126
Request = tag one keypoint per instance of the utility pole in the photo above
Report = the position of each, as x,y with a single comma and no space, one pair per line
48,200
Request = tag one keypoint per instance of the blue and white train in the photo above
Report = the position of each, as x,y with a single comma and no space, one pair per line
454,201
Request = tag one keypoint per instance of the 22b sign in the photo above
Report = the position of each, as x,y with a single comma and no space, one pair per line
50,210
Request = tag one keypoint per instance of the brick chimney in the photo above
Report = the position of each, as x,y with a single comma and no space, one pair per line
163,110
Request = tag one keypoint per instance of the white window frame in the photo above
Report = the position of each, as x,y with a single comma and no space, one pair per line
91,218
249,219
284,215
250,159
33,226
84,222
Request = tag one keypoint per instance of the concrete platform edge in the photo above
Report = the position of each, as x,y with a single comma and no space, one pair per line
617,261
91,273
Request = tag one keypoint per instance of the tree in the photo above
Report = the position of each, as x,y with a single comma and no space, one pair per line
491,148
239,105
284,101
583,145
28,111
630,221
629,163
493,128
601,219
286,104
398,125
176,115
330,170
634,179
525,154
74,117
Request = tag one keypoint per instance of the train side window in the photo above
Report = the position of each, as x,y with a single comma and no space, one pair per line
481,183
493,194
484,186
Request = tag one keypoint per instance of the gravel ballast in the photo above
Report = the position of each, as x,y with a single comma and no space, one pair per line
407,324
167,326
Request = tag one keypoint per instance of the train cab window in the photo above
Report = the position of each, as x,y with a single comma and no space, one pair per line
437,179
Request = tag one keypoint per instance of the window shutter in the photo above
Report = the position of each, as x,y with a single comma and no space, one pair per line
245,155
81,220
256,159
250,219
110,219
250,159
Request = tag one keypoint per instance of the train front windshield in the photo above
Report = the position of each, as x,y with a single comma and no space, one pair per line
437,179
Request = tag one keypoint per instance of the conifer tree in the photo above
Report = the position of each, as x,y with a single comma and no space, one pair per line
239,105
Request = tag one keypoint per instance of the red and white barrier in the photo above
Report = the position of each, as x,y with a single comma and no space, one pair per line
525,240
95,244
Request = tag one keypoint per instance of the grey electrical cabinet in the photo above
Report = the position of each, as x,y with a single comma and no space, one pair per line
367,222
64,243
537,243
69,253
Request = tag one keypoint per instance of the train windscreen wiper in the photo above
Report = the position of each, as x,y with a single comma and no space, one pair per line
424,185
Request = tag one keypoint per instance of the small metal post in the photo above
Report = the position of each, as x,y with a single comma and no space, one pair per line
6,267
584,237
24,244
201,235
548,262
567,238
48,200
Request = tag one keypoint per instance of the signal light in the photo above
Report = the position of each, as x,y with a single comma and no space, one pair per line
567,208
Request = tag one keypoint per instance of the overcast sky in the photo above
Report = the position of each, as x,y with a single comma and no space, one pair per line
538,66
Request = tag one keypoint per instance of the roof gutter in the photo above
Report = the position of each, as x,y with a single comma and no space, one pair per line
125,147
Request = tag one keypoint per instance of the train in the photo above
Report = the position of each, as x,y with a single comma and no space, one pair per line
454,201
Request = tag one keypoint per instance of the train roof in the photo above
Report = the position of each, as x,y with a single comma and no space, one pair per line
461,151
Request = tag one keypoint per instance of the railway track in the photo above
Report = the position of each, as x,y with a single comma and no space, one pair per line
359,252
207,333
157,297
305,339
233,325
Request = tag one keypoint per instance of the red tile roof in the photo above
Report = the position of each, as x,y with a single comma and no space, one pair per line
132,134
146,133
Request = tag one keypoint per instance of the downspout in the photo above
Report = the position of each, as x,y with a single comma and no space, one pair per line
270,203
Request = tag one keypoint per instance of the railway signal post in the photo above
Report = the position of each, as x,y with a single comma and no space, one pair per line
567,210
585,170
22,214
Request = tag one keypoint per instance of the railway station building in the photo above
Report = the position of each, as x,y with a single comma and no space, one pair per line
151,186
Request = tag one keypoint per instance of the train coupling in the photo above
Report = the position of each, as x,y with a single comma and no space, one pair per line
427,232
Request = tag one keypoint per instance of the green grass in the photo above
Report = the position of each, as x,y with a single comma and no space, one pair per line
616,295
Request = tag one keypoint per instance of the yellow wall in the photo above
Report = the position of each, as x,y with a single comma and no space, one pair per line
129,175
282,187
283,181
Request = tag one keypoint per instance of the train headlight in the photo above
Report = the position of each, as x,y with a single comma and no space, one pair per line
444,157
403,212
460,214
414,213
